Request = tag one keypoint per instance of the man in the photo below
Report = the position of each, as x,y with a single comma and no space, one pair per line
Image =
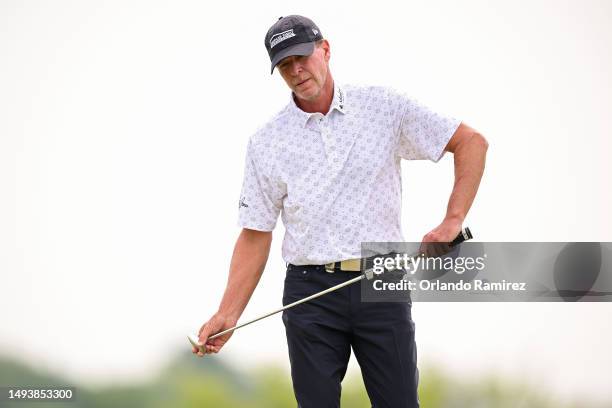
330,164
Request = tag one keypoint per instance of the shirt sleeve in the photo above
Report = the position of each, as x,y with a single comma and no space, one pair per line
423,133
261,197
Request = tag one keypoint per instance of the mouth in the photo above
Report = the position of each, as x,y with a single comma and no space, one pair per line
303,82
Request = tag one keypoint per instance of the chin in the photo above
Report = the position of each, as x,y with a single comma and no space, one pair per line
308,96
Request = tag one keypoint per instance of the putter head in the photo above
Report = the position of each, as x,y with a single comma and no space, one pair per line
195,342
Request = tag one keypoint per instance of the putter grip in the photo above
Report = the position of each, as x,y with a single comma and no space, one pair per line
464,235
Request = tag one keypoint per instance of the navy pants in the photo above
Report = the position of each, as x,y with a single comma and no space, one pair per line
321,333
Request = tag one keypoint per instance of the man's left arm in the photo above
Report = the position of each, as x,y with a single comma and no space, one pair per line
469,150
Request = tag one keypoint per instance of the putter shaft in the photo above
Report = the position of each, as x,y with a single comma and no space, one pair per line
290,305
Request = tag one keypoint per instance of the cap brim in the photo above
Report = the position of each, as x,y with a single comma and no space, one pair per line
297,49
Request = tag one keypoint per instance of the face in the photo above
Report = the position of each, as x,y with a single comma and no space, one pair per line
306,75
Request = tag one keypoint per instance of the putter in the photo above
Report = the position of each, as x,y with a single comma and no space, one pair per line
464,235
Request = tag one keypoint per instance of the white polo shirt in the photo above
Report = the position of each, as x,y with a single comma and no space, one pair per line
336,178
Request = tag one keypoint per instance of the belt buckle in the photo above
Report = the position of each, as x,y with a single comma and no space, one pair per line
351,265
348,265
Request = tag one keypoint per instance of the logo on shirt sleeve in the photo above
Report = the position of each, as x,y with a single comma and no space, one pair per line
241,203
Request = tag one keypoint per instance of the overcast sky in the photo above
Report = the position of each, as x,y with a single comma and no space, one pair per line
122,141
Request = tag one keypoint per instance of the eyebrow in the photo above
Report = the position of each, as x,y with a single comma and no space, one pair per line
285,61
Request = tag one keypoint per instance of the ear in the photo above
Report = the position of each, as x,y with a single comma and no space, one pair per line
326,49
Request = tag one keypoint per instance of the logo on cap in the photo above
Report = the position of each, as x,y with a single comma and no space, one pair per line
276,38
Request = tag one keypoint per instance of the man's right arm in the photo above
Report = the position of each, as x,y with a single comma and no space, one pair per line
248,261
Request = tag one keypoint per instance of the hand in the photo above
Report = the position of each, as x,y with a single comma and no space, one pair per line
435,242
216,324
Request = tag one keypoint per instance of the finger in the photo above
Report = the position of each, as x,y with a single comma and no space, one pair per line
203,336
440,250
423,248
426,248
217,341
433,238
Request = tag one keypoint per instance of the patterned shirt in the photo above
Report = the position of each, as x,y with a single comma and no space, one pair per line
336,178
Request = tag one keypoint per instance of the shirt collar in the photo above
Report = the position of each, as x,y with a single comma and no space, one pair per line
338,103
301,116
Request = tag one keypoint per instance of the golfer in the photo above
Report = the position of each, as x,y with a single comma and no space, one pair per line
329,164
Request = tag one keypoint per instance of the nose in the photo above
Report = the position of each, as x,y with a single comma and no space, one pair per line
296,68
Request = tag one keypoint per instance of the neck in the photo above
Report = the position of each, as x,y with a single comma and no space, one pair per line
322,103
